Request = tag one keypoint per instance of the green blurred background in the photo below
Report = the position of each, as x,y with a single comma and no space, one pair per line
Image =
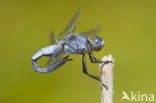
128,28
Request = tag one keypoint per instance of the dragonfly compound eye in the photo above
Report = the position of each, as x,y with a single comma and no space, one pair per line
98,43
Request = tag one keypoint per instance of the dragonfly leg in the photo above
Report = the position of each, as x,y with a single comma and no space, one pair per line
85,68
94,60
86,72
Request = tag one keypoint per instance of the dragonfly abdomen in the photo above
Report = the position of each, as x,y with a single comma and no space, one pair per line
53,49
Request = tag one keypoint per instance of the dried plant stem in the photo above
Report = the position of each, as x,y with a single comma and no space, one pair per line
106,76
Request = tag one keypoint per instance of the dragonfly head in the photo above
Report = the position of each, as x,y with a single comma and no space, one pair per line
97,43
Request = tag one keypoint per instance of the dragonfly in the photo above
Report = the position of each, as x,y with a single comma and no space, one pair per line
70,43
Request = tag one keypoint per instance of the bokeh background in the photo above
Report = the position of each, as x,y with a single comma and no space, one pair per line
128,28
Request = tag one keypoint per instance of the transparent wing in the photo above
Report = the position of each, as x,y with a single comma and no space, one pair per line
53,38
53,59
90,32
71,26
69,39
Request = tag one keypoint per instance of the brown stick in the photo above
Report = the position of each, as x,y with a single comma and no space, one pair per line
106,76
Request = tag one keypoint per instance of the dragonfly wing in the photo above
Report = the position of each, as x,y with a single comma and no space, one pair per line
90,32
53,38
71,26
53,59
